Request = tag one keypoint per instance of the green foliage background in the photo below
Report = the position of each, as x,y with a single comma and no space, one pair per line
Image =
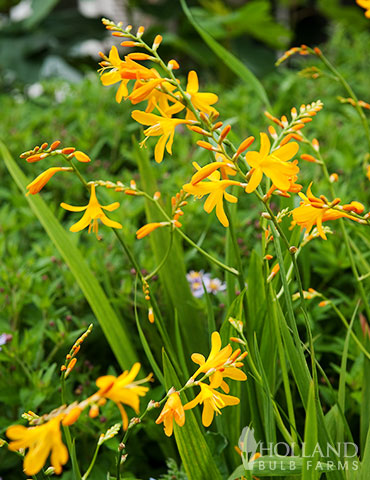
40,303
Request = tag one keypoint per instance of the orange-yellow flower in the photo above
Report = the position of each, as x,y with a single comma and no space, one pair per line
314,211
94,212
123,71
40,440
216,358
274,165
40,181
209,171
216,189
293,187
172,410
224,362
143,90
159,126
123,390
212,400
201,101
149,228
114,76
365,4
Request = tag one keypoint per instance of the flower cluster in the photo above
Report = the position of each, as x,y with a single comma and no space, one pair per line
221,363
315,211
44,436
167,105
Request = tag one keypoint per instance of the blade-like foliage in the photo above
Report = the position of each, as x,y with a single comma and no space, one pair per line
112,326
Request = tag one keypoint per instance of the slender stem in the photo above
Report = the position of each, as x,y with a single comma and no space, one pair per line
191,242
346,324
67,433
92,463
129,254
76,171
349,90
360,286
164,259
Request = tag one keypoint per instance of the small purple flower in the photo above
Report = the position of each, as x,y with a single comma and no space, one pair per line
215,285
5,338
197,279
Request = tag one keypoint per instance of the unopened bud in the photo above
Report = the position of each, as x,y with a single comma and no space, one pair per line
157,41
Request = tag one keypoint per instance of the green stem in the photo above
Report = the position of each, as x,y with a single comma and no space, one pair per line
359,284
348,89
346,324
67,433
191,242
92,463
164,259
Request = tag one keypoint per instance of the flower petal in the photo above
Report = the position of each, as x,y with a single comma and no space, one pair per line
265,145
254,181
193,84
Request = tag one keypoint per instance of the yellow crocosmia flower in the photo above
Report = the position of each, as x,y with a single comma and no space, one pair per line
93,213
143,90
216,189
274,165
201,101
225,362
212,400
365,4
216,358
173,410
123,71
40,181
123,390
228,169
149,228
114,76
208,170
40,440
162,126
293,187
314,211
158,99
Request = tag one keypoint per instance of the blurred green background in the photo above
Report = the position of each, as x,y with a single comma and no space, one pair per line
49,90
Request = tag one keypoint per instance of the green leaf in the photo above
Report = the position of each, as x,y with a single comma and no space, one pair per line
113,327
365,464
228,58
310,439
40,10
342,377
147,350
194,451
173,273
365,411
